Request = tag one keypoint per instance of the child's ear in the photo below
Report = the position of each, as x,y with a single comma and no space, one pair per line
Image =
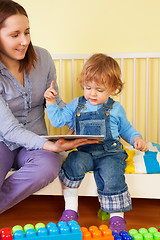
113,92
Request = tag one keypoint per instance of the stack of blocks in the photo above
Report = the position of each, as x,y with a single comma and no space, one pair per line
61,231
72,231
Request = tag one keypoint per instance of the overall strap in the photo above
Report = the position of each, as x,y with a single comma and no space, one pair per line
81,104
109,105
80,107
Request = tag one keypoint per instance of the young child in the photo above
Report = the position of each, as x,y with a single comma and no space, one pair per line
96,113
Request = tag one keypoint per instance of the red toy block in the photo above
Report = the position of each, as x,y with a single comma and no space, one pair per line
6,234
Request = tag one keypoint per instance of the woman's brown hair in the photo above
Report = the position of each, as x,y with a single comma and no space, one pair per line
103,70
7,9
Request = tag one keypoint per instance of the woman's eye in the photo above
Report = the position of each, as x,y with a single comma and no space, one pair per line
27,33
14,36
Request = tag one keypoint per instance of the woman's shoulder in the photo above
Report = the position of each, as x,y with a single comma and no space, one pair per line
41,51
44,57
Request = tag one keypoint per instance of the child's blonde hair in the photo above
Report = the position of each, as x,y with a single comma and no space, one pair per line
103,70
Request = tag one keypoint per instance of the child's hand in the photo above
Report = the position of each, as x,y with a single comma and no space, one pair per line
50,94
140,144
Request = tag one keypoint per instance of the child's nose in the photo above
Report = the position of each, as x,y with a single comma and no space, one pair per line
93,92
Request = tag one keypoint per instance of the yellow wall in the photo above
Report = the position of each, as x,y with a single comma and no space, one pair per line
89,26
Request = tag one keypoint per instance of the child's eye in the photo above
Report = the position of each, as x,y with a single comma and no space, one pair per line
88,88
100,90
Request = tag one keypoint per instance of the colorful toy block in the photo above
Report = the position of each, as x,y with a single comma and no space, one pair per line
144,234
72,231
101,233
124,235
6,234
61,231
103,215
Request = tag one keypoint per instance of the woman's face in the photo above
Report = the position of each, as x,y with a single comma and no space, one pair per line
14,38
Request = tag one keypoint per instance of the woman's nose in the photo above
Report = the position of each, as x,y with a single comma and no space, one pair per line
24,40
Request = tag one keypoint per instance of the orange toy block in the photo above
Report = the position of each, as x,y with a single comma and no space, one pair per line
101,233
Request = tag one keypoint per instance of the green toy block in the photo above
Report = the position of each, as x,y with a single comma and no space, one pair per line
103,215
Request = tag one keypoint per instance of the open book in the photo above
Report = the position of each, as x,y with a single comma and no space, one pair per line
72,137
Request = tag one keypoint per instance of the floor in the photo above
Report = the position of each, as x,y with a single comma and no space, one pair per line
45,209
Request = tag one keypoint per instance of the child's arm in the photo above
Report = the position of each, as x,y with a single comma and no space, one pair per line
127,131
50,94
140,144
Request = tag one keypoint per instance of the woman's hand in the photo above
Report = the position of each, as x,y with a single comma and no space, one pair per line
64,145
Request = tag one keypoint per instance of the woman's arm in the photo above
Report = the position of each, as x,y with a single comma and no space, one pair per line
64,145
13,131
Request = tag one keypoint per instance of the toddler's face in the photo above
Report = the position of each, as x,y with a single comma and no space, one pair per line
96,93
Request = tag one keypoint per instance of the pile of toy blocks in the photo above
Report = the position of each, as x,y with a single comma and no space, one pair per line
72,231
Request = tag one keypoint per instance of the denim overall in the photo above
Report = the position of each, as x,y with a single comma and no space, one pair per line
106,160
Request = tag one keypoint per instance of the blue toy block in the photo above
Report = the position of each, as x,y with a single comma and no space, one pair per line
61,231
124,236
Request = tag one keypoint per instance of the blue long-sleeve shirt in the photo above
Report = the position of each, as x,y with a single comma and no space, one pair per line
120,126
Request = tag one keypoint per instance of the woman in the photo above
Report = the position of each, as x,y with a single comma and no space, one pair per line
25,73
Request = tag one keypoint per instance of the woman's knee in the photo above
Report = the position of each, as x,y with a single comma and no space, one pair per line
50,165
43,165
